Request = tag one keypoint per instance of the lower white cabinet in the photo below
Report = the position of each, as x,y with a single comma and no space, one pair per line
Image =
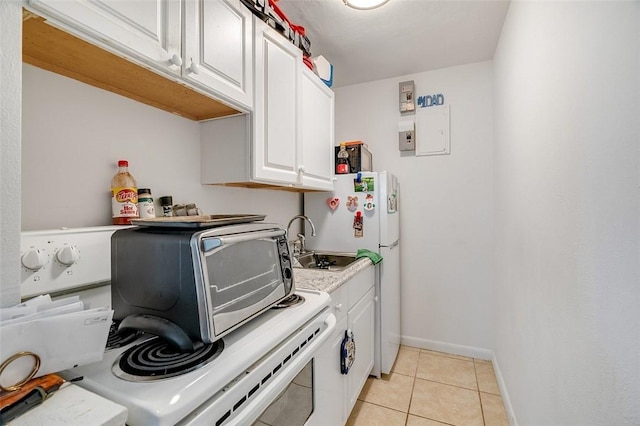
336,393
361,323
330,384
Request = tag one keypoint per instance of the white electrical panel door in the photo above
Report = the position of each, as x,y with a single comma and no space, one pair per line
432,131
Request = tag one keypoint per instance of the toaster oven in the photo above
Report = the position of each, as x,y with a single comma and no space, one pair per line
196,285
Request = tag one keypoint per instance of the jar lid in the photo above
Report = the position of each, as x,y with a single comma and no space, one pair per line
144,191
123,163
167,200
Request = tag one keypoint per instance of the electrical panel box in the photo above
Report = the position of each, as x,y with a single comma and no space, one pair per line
406,136
433,124
407,96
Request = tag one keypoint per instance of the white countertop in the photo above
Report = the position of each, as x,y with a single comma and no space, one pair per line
323,280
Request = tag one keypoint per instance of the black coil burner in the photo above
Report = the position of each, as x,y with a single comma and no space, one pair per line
156,359
118,339
289,301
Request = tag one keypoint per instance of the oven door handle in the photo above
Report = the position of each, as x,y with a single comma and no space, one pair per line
263,400
209,244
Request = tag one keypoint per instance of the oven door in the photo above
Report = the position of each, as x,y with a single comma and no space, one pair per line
260,390
244,274
294,405
277,403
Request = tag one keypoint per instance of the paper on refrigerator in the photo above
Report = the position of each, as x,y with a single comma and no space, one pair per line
61,334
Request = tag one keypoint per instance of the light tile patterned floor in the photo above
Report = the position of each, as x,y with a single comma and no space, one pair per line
427,388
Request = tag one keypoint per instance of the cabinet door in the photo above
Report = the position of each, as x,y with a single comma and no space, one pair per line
318,135
276,103
361,321
330,384
147,30
218,40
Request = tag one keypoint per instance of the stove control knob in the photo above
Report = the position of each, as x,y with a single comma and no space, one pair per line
34,259
68,255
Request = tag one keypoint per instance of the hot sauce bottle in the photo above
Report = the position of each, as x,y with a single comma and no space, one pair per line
342,163
124,195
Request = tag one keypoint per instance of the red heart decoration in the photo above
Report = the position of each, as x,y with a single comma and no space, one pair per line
333,203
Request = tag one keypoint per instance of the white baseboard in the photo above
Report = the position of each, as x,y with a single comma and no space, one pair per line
451,348
511,416
470,351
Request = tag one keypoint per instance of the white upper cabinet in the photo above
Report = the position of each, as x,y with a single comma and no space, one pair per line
277,101
148,30
216,36
316,163
218,47
288,140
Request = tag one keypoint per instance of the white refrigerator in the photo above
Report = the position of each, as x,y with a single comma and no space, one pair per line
363,213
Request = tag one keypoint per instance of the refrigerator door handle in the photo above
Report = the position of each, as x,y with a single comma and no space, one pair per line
392,245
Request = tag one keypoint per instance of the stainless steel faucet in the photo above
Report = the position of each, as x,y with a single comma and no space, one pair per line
297,249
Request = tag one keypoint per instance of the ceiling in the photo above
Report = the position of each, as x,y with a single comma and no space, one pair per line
401,37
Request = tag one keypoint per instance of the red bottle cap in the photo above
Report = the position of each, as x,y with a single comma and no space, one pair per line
123,163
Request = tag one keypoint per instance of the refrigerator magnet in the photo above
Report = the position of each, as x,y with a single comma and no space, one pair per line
333,202
368,202
358,225
365,184
392,203
352,203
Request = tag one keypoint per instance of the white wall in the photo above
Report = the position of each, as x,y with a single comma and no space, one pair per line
10,58
446,236
567,211
73,136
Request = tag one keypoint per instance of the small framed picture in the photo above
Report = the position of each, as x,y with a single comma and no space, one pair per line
364,185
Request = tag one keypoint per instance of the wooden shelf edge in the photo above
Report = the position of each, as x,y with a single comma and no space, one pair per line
55,50
258,185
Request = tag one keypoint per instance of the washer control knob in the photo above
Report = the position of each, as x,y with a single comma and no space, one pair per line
34,259
68,255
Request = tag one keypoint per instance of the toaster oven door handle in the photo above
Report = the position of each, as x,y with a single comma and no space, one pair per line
212,243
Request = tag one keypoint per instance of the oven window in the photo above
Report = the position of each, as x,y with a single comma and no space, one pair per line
294,406
243,273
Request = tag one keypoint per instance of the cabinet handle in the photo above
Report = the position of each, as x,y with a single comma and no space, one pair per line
176,60
338,307
194,68
301,169
375,299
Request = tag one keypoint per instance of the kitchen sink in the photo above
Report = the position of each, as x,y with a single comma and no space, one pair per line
327,261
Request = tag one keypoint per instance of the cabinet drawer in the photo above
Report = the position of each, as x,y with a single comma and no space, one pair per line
340,301
360,284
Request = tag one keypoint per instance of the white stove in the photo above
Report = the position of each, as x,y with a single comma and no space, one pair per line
264,369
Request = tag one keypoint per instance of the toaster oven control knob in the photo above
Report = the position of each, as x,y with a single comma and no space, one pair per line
287,273
34,259
68,255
